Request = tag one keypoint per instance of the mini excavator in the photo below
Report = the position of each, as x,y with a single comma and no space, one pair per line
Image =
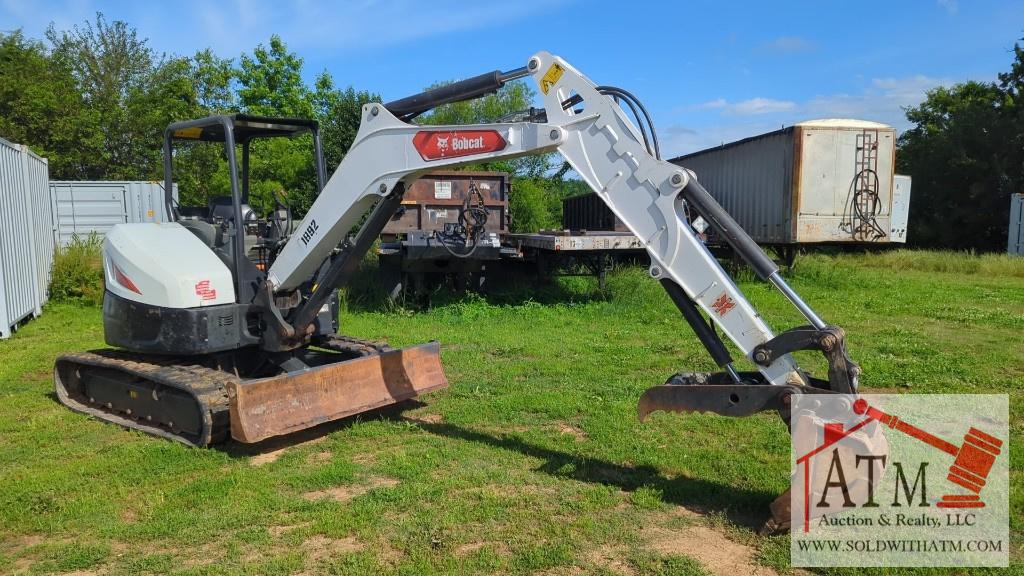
225,324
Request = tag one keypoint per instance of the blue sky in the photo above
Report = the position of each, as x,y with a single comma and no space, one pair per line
710,72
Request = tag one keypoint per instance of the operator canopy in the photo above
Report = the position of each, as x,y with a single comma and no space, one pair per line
246,127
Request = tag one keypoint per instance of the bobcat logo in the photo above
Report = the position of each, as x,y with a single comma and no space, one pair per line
442,143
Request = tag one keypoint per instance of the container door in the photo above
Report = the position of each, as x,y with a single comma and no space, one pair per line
85,209
1016,237
835,163
900,209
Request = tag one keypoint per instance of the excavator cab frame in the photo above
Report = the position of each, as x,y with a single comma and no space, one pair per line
238,130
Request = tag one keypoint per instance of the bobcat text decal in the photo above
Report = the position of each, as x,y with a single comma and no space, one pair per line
438,145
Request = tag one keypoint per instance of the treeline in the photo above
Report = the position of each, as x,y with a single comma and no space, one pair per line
966,156
95,100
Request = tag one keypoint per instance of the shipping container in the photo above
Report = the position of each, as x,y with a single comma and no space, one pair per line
821,181
86,207
1015,245
26,236
435,199
589,212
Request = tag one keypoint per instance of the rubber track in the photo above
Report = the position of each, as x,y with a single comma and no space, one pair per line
207,385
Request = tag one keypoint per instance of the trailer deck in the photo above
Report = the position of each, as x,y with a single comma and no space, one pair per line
574,252
576,241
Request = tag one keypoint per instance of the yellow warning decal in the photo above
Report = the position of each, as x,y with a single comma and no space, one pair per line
551,77
193,132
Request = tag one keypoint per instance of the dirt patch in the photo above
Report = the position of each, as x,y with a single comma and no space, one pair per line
272,450
579,435
562,571
319,457
610,558
276,531
717,553
471,547
388,554
346,493
319,547
365,459
427,418
266,457
22,542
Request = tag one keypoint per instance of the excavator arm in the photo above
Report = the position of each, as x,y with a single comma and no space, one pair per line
588,127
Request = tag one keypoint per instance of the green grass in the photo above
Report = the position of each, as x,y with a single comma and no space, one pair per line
531,462
77,273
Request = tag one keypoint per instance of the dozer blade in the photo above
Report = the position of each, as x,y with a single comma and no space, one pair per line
283,404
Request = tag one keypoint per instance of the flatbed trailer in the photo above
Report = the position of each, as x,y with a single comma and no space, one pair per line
574,253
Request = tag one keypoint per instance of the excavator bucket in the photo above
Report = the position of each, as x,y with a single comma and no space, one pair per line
266,407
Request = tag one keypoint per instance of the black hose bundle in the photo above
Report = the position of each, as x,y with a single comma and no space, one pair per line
862,207
469,229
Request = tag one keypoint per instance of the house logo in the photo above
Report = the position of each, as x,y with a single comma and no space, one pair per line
900,480
723,304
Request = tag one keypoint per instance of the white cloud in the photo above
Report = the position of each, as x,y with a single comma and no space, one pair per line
788,45
749,107
883,100
719,121
951,6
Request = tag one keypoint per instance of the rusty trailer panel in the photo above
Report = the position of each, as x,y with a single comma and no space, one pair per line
268,407
434,200
794,185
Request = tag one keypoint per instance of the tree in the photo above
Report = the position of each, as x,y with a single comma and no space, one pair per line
270,82
212,79
956,153
133,91
40,106
534,205
340,113
200,169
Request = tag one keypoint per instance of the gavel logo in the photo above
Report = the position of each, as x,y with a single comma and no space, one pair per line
972,461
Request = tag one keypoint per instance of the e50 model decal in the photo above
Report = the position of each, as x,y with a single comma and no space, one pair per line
309,233
437,145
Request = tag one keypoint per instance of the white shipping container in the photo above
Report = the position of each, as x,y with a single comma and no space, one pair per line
86,207
26,235
797,184
1015,244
